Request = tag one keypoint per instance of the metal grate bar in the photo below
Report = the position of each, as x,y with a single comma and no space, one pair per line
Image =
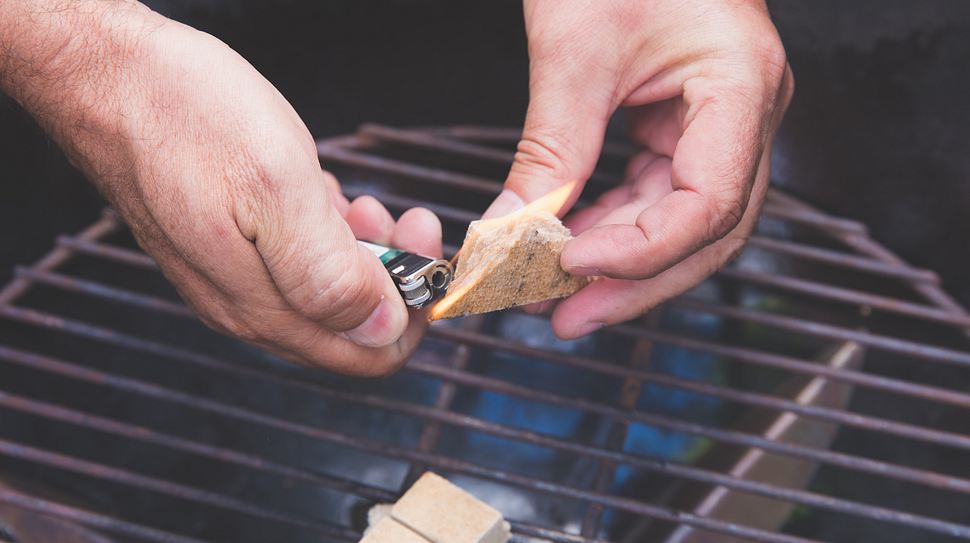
630,390
909,474
108,252
443,401
796,365
430,141
427,140
844,260
58,256
452,373
335,153
915,349
102,292
145,389
796,496
468,337
849,296
175,490
87,518
869,247
218,454
100,424
883,469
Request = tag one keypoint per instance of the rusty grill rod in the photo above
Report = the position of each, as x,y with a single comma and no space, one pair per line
844,260
219,454
848,461
600,366
140,433
915,349
170,308
88,518
630,391
510,136
637,461
871,248
848,296
145,389
865,422
348,150
742,354
797,365
428,140
168,488
58,256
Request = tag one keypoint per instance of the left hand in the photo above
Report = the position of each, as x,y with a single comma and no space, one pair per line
706,83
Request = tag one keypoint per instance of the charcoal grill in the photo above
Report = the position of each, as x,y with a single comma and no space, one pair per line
814,390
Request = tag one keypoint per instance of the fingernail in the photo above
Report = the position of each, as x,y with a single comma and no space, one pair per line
506,203
378,330
589,327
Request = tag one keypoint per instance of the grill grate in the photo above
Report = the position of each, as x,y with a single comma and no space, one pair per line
815,390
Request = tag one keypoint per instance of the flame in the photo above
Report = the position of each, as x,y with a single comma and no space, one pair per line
451,298
551,202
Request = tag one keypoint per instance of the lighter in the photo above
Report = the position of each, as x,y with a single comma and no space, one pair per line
420,279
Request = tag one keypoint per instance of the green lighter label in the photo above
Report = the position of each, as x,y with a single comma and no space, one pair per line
383,253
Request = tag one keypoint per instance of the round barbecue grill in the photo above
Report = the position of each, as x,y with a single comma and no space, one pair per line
815,390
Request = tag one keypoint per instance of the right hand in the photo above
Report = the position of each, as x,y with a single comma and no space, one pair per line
219,180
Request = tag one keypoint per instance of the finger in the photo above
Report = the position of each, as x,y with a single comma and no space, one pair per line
563,134
418,231
579,221
657,126
712,173
540,308
646,181
370,221
606,302
315,262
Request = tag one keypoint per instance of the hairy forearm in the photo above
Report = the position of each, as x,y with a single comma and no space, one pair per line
70,64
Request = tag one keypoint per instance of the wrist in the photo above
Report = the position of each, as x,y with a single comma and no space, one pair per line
73,66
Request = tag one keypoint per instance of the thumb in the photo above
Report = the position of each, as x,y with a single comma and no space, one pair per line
320,269
563,135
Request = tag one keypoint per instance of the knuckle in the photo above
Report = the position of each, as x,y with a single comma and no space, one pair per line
724,214
331,293
772,57
543,154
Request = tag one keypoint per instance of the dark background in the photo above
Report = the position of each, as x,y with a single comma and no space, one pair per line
878,129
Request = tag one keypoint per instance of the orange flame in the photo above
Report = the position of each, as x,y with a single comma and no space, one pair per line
551,202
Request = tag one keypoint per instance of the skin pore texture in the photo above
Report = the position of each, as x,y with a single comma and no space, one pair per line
219,180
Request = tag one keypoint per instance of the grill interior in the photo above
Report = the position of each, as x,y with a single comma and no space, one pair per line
814,390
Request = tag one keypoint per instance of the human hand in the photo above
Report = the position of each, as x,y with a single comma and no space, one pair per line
219,180
706,83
